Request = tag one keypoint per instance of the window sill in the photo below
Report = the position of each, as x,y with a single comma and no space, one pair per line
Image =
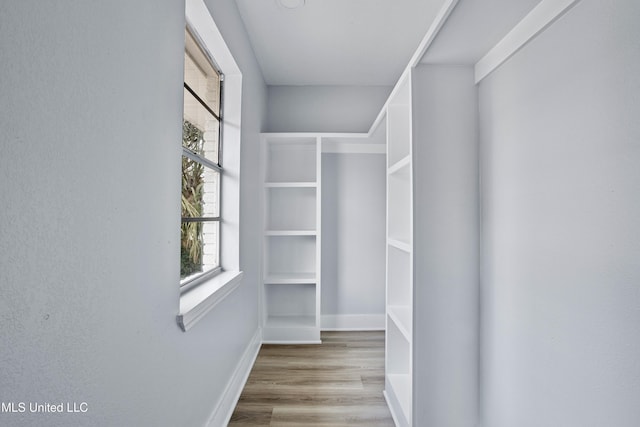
197,302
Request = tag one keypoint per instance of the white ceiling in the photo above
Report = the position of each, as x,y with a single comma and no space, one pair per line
369,42
336,42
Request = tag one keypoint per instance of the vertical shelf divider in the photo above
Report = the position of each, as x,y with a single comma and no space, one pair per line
318,231
399,299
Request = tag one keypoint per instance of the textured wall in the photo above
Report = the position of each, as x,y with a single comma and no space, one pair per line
445,246
324,108
90,123
353,234
561,225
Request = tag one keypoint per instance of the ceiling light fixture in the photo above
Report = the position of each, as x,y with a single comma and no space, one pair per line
291,4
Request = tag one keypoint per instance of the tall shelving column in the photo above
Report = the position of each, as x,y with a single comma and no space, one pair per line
291,252
399,320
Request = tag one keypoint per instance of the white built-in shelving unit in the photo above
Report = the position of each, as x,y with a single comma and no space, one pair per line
399,321
432,241
291,254
292,194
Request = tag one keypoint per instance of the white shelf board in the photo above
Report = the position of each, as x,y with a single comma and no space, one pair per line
401,389
315,135
292,184
290,278
400,244
401,316
298,138
398,167
291,233
357,147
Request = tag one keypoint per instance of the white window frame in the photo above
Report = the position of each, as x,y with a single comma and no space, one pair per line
209,165
204,293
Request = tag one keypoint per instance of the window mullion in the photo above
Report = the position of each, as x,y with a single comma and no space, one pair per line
200,218
201,101
203,160
220,120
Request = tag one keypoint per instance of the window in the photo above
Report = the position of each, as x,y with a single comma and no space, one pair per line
202,171
210,258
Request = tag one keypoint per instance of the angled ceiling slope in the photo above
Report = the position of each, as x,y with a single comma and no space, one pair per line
336,42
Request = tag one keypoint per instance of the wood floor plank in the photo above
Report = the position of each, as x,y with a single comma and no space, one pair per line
351,415
333,384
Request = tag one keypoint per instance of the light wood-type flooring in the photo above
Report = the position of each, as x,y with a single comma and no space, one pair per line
336,383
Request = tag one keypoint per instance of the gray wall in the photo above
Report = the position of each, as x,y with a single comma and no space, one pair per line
353,234
445,246
324,108
90,124
561,225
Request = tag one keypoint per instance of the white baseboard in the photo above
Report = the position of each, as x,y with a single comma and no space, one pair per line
392,409
227,403
352,322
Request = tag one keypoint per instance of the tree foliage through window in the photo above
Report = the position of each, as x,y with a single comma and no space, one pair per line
192,202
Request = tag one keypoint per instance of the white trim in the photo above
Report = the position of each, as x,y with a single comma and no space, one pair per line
431,34
352,147
227,403
331,142
289,136
399,244
291,233
396,420
352,322
199,300
318,247
399,165
290,185
199,19
293,342
543,15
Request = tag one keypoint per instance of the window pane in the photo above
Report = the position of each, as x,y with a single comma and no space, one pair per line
200,190
190,249
199,248
200,76
200,227
199,239
201,135
211,193
210,238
